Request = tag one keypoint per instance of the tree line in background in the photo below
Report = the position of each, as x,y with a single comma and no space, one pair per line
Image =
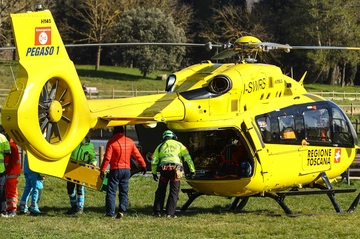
293,22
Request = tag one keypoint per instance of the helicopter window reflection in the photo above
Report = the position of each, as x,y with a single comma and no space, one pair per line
287,126
340,128
317,126
264,125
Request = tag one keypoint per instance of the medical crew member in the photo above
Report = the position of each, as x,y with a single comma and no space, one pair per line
13,170
168,158
4,150
84,152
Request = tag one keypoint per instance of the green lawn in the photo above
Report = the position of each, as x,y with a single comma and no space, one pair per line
207,216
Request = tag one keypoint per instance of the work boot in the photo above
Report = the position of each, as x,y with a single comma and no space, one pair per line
120,216
24,212
72,210
36,213
109,216
79,211
12,214
156,214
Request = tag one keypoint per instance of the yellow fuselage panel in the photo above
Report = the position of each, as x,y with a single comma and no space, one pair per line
287,171
200,78
161,108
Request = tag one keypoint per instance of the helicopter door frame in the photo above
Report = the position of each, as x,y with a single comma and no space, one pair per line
252,135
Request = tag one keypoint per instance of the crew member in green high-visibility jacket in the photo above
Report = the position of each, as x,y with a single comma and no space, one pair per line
84,152
4,150
167,158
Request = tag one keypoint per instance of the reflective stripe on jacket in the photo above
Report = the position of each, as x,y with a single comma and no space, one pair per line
12,161
118,151
170,151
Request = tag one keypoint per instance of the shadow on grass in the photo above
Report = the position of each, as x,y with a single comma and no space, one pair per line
147,211
109,75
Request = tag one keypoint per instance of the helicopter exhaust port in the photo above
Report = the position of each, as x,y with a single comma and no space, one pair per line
220,84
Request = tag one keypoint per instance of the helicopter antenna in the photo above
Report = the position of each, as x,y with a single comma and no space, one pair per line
12,73
38,7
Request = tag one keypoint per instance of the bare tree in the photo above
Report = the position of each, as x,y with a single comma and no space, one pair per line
98,18
8,7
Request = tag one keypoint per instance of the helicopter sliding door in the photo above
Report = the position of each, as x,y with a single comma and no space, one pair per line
253,137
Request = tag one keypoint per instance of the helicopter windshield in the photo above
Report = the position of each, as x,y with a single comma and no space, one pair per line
317,123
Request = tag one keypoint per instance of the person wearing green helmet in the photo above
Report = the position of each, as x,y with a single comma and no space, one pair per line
167,157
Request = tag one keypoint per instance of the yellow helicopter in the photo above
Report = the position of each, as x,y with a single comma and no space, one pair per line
290,139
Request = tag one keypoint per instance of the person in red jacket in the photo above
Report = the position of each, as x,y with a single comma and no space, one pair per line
118,151
13,170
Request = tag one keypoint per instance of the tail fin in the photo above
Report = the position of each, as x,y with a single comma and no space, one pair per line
302,79
39,112
37,37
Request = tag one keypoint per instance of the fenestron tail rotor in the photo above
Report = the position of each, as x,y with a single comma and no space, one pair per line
54,110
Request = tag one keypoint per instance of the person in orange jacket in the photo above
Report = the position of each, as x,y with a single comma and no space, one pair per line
4,150
13,170
119,149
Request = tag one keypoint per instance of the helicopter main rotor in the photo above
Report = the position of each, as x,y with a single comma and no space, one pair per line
247,47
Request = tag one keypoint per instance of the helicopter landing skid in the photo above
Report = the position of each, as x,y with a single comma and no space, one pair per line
192,194
279,197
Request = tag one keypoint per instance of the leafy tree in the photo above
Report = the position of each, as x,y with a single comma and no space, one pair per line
91,21
181,13
150,25
333,23
315,23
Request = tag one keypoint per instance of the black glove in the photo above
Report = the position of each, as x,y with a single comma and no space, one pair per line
102,175
155,177
144,170
192,175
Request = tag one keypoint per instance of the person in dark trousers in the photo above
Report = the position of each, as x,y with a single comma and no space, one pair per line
84,152
168,158
4,151
118,151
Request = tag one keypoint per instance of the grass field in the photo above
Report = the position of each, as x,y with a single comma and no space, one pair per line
207,216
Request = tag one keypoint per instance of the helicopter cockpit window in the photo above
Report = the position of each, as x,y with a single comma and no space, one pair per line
340,128
287,127
170,82
317,126
264,126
